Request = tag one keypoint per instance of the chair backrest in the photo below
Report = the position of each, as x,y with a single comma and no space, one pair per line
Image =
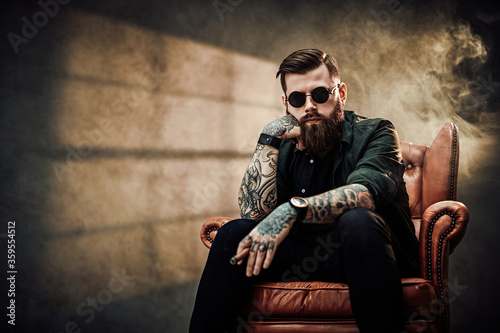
431,171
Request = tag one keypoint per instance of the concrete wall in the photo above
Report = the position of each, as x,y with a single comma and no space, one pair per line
127,140
127,124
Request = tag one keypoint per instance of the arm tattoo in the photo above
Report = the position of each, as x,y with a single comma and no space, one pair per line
327,207
258,195
282,216
280,126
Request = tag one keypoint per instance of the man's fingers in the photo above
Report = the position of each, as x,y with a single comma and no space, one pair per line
244,256
242,250
258,250
254,246
260,258
251,257
271,248
246,239
238,258
293,133
243,243
262,247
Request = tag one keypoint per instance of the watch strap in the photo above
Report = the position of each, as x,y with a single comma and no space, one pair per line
301,213
269,140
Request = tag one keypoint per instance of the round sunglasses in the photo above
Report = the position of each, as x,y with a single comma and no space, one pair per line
319,95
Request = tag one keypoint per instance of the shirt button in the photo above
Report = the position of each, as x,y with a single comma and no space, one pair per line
303,190
312,161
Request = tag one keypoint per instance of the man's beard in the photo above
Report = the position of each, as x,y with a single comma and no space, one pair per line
319,138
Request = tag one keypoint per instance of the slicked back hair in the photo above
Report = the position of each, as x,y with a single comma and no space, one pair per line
306,60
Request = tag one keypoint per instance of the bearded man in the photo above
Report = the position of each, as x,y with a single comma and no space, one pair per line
319,175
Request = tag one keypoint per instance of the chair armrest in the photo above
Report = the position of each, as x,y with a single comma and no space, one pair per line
443,227
210,229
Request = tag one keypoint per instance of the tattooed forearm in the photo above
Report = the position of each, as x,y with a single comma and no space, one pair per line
257,197
327,207
284,215
281,126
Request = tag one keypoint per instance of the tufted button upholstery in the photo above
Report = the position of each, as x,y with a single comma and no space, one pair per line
413,156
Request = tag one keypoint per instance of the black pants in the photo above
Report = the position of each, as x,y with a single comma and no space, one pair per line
357,249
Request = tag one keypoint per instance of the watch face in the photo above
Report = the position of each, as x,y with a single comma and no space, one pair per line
299,202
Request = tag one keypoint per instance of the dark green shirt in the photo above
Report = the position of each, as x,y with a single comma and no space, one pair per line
367,154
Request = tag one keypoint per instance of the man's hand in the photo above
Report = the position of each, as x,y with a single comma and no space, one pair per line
286,127
261,243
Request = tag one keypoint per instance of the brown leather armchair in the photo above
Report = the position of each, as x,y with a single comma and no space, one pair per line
440,224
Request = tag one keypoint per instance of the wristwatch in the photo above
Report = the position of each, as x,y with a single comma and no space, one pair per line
301,206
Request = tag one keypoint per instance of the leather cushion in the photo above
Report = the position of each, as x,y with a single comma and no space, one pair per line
331,300
320,326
